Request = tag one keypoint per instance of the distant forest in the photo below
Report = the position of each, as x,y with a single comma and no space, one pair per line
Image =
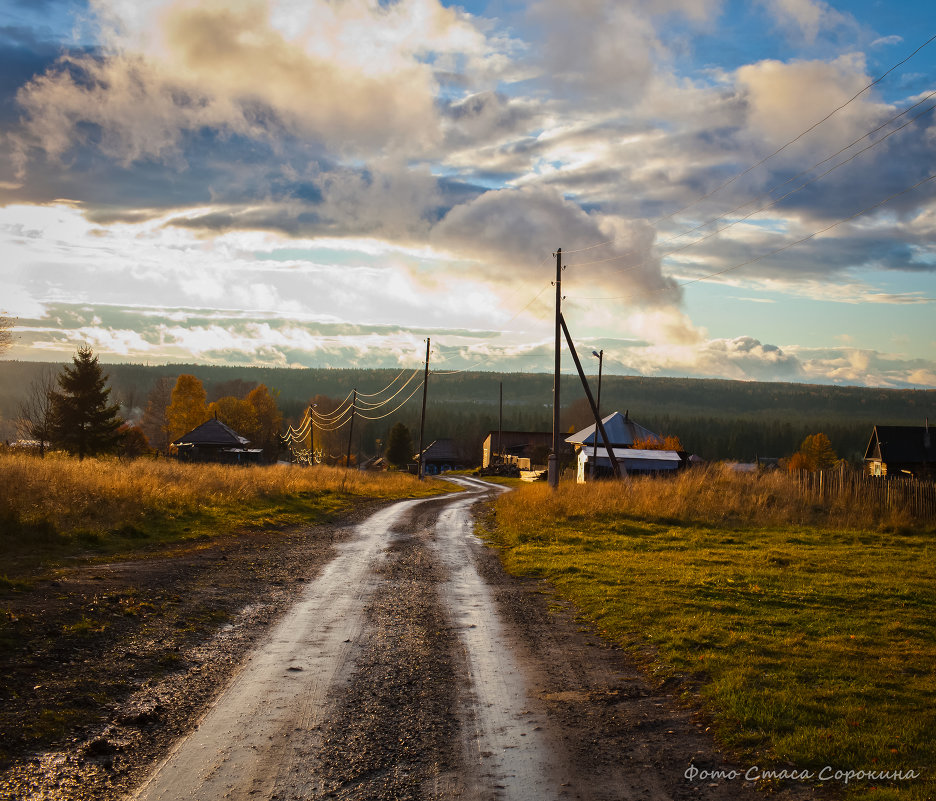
715,419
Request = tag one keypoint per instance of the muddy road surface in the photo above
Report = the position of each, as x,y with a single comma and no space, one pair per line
410,666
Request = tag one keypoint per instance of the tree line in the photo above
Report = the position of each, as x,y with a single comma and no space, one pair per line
73,411
712,418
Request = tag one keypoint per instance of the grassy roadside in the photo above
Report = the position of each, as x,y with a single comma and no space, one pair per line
58,507
810,644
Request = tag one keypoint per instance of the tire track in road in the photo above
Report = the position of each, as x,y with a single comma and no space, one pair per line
245,735
505,735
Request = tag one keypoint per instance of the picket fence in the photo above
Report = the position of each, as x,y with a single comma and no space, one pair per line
917,498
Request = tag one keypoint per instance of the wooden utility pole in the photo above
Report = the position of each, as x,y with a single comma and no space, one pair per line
500,425
422,417
351,430
552,474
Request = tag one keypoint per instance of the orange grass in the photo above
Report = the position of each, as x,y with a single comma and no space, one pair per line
100,494
709,495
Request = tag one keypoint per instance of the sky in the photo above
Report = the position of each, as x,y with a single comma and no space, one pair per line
741,190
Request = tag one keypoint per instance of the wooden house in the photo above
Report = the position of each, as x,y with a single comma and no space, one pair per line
901,450
213,441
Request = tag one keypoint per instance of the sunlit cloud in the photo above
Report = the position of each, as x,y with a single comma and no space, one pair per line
268,167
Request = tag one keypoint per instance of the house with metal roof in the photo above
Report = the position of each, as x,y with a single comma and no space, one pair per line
213,441
592,462
621,430
901,450
630,460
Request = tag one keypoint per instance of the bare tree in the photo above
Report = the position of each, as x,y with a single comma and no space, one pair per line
36,413
155,422
6,333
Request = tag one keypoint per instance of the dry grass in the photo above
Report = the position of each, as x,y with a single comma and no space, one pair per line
62,496
711,495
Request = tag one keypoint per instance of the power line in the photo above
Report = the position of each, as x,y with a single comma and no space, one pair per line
370,406
776,152
402,404
775,201
375,394
772,203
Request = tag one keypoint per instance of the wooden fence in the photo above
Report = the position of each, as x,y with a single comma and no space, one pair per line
917,498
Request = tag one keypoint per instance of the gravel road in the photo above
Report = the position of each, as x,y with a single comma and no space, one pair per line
408,665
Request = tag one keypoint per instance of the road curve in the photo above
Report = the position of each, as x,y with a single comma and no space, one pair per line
413,668
259,738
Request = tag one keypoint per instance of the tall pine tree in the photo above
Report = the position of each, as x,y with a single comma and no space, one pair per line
84,422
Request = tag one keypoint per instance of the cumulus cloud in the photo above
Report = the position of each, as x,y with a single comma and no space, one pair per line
593,52
780,108
512,231
807,19
354,75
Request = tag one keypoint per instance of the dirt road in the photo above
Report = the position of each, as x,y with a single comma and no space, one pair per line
386,658
412,668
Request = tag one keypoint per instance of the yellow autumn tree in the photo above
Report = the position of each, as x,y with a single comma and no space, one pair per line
816,453
669,442
187,408
269,419
237,414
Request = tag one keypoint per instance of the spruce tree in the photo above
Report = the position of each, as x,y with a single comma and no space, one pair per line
399,445
84,422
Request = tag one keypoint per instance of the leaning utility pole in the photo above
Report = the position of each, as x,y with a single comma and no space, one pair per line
552,474
351,431
619,471
422,417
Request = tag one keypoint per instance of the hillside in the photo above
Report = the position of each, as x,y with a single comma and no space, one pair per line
717,419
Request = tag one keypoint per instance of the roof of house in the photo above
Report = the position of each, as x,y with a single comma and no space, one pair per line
442,449
637,454
621,430
902,444
636,459
212,433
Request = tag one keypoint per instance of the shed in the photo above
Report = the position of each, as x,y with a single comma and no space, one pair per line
213,441
901,450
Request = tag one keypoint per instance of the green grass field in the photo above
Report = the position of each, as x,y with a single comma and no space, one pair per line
809,646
